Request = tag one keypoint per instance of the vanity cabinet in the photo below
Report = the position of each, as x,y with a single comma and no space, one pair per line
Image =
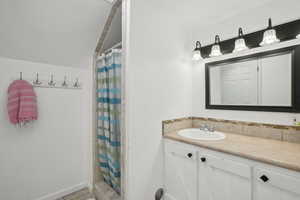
194,173
180,173
276,186
223,179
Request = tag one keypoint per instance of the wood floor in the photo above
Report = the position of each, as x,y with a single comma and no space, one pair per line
83,194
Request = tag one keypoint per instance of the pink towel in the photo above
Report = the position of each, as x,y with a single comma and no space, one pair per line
22,103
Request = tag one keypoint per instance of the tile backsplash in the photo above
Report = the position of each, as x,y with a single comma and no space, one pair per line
262,130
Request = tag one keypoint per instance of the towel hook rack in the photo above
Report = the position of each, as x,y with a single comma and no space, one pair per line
51,82
64,84
76,84
37,81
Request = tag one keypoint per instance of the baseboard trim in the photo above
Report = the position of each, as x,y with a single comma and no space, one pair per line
63,192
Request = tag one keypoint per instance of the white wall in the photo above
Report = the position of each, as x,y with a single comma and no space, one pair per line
50,157
158,87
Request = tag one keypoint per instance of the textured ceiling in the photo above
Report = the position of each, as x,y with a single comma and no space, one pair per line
60,32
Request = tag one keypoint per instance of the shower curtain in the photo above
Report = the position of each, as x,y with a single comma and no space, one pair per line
109,115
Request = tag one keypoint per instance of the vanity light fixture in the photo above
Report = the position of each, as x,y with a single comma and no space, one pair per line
216,49
240,43
197,51
269,35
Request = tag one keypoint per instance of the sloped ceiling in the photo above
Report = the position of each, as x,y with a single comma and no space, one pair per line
60,32
114,35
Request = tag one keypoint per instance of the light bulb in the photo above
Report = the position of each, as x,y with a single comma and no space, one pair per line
197,51
240,43
298,36
269,35
216,49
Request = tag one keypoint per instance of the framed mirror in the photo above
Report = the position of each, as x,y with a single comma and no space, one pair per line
268,81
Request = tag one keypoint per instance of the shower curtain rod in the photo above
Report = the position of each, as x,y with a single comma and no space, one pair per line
113,47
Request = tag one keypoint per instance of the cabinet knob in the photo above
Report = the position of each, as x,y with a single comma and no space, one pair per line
264,178
203,159
189,155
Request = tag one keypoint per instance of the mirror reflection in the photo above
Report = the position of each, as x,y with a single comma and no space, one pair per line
265,81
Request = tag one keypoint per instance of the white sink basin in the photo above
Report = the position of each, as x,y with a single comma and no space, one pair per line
197,134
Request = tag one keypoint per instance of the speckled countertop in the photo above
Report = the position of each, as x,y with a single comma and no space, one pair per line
274,152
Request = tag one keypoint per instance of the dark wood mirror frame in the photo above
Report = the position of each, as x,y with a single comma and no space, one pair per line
294,108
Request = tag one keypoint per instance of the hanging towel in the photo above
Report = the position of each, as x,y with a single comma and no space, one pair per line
22,103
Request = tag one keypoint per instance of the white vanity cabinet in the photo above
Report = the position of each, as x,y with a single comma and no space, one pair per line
194,173
223,179
273,185
180,173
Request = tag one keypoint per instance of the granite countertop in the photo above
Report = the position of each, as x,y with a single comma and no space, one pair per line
274,152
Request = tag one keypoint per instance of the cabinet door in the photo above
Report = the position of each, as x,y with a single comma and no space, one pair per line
223,179
180,174
275,186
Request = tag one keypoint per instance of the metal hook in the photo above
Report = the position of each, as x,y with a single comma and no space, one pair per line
37,81
76,84
51,82
21,75
64,84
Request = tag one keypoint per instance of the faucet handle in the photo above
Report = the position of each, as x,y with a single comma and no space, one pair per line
211,128
202,127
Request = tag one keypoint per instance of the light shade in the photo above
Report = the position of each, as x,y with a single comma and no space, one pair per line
197,51
240,43
269,35
197,55
216,49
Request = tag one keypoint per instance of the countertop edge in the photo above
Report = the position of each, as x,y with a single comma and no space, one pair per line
242,155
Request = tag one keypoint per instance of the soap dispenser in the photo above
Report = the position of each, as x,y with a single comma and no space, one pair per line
296,122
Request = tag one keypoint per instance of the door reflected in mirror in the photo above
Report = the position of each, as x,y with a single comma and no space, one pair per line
260,81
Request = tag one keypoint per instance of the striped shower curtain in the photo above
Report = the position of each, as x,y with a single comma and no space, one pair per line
109,115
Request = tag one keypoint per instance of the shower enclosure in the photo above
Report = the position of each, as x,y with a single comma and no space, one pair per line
108,133
109,116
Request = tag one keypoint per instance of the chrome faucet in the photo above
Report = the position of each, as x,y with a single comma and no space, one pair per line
211,129
203,127
207,128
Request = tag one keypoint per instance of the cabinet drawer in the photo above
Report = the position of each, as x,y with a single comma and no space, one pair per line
277,180
183,152
227,165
